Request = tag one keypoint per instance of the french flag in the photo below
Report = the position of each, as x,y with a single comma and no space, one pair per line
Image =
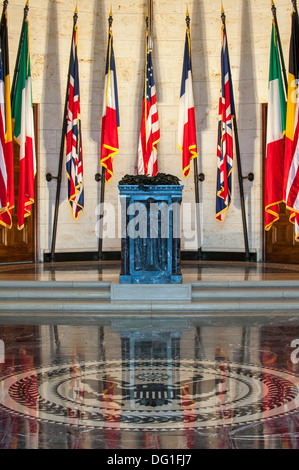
187,128
110,118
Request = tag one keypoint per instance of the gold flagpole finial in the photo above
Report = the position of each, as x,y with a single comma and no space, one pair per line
110,19
26,9
146,17
75,17
222,9
187,18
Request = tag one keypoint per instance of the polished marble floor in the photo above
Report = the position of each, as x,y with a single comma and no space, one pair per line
127,383
108,271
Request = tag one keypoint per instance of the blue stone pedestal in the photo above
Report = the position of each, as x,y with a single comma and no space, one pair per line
150,248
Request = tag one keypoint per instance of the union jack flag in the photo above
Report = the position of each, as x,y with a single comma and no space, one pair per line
225,140
150,130
74,156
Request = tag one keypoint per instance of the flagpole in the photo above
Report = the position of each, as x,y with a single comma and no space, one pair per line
150,23
5,3
273,8
26,10
294,2
197,177
250,177
102,177
49,177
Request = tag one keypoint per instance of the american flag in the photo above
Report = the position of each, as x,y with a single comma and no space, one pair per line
225,140
150,130
110,119
291,158
74,157
187,128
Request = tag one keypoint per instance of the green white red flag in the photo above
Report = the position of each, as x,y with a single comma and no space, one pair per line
22,115
276,126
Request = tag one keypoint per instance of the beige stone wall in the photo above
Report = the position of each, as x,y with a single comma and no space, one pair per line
248,28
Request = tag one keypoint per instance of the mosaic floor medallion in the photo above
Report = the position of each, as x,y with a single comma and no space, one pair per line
150,395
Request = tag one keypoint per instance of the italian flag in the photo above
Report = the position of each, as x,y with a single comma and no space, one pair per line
276,124
22,115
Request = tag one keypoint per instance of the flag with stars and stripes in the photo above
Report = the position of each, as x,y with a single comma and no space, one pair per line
74,155
110,118
187,128
291,158
225,140
150,130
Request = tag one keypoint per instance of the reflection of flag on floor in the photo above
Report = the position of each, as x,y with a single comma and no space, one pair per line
74,156
112,415
276,120
187,128
7,169
110,119
150,131
225,140
291,177
22,114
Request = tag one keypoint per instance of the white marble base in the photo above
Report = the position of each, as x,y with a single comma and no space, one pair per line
151,292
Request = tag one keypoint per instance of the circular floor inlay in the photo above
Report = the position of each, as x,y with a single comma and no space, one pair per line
150,394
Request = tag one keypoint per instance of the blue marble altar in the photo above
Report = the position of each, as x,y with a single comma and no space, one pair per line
150,246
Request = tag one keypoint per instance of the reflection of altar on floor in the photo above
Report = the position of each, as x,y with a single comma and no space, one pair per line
150,382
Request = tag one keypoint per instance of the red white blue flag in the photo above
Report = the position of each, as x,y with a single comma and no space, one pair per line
150,130
225,140
74,156
187,128
110,118
291,158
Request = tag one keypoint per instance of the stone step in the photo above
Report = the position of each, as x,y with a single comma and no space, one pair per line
100,306
47,290
259,285
95,298
246,293
45,294
234,290
58,285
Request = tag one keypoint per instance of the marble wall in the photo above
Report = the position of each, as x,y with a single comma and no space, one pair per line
248,28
